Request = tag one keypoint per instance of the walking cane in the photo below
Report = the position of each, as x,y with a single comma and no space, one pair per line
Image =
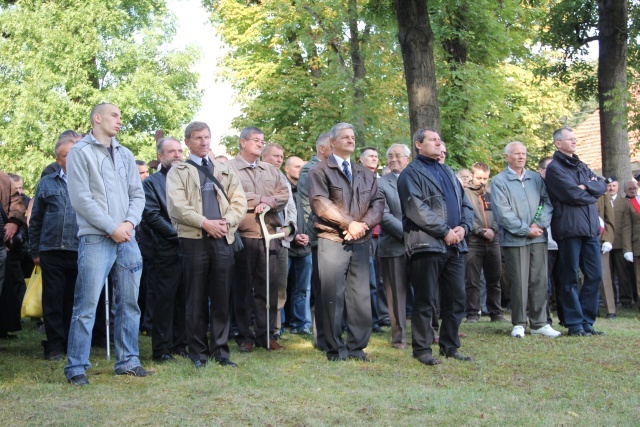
106,306
267,239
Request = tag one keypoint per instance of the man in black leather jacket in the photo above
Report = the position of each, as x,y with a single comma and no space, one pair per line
437,216
168,333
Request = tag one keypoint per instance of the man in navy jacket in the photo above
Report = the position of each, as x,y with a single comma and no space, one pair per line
574,190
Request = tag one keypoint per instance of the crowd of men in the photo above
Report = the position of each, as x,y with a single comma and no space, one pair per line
188,249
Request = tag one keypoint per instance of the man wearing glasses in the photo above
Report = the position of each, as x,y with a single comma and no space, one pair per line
391,246
574,190
263,187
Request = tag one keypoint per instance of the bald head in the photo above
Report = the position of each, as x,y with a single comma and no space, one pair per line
292,168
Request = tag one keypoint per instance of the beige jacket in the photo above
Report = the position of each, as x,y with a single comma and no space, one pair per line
184,199
263,180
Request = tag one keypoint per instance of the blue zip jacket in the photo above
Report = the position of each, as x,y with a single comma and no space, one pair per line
53,223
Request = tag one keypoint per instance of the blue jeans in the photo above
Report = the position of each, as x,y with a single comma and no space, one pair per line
580,308
301,294
99,256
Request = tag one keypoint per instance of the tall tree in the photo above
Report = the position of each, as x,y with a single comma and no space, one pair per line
59,58
416,40
571,26
300,67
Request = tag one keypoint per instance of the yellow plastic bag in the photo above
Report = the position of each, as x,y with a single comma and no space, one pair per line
32,302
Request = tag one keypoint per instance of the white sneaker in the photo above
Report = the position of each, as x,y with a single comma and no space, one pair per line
547,331
518,331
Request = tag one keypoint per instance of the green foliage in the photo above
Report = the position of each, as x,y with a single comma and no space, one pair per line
291,66
58,59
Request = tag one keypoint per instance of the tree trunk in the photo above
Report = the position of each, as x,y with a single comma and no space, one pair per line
612,88
357,63
416,40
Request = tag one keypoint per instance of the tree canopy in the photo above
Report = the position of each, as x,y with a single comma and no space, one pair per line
59,58
294,68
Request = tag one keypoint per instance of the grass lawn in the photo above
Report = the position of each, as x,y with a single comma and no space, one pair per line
536,381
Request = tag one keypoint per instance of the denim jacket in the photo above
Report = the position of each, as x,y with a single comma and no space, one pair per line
53,223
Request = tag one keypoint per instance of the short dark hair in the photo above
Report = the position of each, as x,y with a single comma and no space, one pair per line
541,163
141,163
479,166
419,136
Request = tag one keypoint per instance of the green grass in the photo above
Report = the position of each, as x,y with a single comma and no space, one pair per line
536,381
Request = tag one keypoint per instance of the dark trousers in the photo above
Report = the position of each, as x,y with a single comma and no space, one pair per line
316,297
554,286
207,266
625,278
344,277
433,273
580,307
250,295
395,278
483,258
59,273
169,305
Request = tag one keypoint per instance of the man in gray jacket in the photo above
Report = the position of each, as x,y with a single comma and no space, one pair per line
522,209
391,246
106,193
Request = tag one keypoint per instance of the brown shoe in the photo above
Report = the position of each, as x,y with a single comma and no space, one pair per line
273,345
246,347
399,345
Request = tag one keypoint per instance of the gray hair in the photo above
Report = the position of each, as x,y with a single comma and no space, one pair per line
333,133
322,140
405,149
507,148
160,144
247,132
66,137
195,127
557,134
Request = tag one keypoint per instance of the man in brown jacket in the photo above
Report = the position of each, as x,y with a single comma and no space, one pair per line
347,204
607,237
484,250
13,215
263,187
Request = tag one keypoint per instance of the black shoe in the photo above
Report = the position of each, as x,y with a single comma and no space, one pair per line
377,330
182,353
363,358
579,333
611,316
472,319
138,371
200,364
455,354
163,358
336,359
224,361
54,356
594,332
427,359
78,380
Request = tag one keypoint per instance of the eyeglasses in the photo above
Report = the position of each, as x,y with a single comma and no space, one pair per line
396,156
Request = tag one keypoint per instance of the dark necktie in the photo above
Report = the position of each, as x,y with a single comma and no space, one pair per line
347,172
205,163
